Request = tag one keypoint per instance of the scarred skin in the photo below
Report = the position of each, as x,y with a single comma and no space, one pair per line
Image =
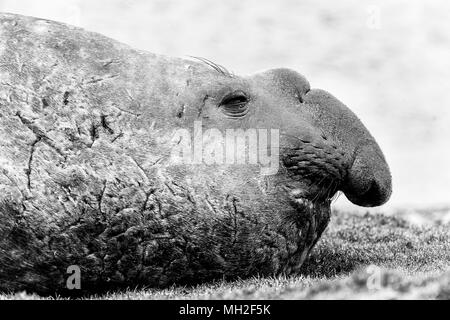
86,135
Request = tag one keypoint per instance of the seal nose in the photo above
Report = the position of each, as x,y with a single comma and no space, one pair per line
368,181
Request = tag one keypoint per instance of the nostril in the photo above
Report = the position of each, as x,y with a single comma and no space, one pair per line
299,95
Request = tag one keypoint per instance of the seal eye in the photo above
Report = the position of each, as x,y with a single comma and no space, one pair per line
234,104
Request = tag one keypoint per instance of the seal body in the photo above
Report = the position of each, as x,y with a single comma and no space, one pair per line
88,129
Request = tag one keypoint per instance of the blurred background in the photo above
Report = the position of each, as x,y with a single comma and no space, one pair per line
389,61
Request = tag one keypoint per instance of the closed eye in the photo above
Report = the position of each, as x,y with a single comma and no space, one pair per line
234,105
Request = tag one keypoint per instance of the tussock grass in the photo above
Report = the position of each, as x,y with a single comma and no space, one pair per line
360,256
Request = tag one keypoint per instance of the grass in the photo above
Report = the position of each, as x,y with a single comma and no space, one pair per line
361,256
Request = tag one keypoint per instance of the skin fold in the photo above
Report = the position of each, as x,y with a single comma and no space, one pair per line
86,176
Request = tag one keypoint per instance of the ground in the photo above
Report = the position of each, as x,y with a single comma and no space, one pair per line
360,256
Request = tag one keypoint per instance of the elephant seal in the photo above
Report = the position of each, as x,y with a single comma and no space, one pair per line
88,180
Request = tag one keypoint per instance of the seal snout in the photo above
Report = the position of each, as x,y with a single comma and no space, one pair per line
368,182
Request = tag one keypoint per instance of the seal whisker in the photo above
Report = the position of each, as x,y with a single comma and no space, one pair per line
219,68
331,188
317,196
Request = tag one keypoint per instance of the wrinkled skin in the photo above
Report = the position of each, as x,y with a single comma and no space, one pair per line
86,134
